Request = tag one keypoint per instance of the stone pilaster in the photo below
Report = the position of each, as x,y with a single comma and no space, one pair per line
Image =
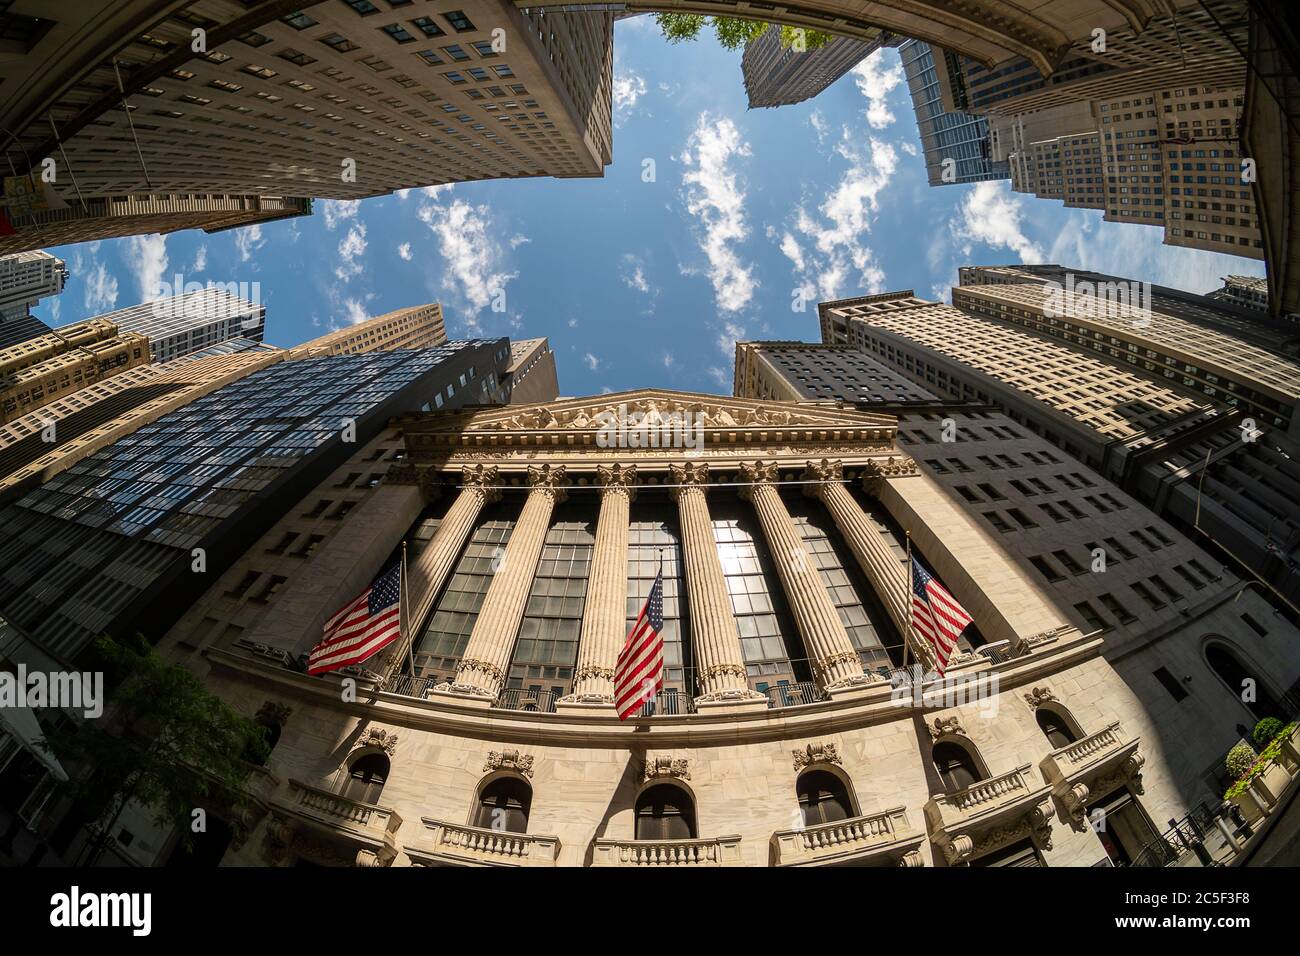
827,642
482,669
720,665
605,612
426,575
878,562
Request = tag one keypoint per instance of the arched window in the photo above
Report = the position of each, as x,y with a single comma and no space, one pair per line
665,812
365,780
955,765
503,805
1055,727
823,798
1234,673
258,756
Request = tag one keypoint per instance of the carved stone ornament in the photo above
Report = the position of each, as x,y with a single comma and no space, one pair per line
379,738
944,726
515,760
876,471
1039,696
548,479
485,479
617,478
666,765
815,753
652,410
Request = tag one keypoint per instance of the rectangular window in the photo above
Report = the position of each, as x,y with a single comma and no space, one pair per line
1169,683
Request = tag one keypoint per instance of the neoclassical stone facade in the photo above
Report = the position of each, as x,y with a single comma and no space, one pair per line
792,731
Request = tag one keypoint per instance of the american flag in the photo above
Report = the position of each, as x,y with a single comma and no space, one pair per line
368,624
936,615
641,661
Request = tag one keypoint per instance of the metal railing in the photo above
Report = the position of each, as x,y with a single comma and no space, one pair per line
519,698
794,695
668,703
1184,836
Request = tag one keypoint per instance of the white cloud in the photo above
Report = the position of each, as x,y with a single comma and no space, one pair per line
593,363
101,289
720,375
573,323
632,272
351,247
248,240
714,195
476,268
518,239
433,192
990,214
354,312
668,360
875,77
146,256
826,245
628,88
337,210
200,259
404,250
819,126
1131,250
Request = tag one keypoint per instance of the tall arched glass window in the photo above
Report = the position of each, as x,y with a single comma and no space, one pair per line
1235,674
654,530
665,812
503,805
823,798
364,782
955,765
1055,727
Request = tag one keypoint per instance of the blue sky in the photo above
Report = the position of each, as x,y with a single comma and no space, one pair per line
749,214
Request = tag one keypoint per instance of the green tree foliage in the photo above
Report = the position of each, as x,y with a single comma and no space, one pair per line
165,742
1265,731
1240,758
733,33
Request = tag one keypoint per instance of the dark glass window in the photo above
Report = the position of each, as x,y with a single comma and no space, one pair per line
654,530
1055,727
955,765
503,805
364,782
665,812
823,798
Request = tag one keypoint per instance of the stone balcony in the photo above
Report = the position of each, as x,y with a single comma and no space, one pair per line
990,814
450,844
1092,767
875,839
323,825
717,851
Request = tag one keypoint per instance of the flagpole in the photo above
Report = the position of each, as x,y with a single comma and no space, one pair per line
408,648
907,597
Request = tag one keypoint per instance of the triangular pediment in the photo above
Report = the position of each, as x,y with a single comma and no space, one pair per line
655,406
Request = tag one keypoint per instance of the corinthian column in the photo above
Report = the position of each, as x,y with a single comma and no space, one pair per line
426,576
605,611
878,562
482,668
720,665
834,656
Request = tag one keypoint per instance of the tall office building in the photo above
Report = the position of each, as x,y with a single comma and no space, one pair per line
778,75
91,218
25,279
955,145
213,475
413,327
179,325
339,100
1195,424
37,370
1250,292
532,375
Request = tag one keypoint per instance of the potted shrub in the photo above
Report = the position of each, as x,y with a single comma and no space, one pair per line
1265,778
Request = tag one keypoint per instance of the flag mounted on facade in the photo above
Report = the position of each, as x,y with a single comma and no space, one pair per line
936,615
365,626
641,661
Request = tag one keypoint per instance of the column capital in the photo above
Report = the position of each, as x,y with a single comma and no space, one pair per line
548,480
757,473
484,479
822,472
690,474
895,466
615,479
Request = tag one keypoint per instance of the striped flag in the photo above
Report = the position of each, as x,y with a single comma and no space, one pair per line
936,615
369,624
641,661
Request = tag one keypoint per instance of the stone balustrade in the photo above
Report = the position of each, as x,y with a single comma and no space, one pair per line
884,837
1091,767
716,851
444,843
365,820
991,813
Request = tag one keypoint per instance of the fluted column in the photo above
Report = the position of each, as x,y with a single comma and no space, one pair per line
604,614
827,642
878,562
720,665
426,575
482,668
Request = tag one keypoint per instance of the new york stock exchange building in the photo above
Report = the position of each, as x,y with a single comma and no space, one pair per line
796,725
